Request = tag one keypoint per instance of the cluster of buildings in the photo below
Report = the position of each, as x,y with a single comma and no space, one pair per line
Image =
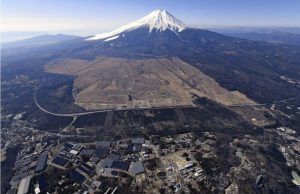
101,158
50,163
177,170
83,164
31,159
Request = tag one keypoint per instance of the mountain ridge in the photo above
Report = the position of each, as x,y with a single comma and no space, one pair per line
46,39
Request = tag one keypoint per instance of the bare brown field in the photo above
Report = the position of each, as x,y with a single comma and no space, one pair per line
136,83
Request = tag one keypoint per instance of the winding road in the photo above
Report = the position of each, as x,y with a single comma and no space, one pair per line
66,114
77,114
98,111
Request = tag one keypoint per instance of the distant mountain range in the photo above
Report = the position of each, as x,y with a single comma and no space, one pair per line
40,41
273,37
280,35
285,35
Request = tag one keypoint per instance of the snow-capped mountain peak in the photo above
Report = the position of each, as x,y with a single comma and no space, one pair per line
161,20
158,20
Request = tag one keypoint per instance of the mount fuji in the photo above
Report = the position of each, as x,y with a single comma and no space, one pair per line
160,61
157,20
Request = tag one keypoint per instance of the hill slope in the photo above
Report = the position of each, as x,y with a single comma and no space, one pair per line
134,83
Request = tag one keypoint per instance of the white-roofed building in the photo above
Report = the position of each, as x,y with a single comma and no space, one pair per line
24,185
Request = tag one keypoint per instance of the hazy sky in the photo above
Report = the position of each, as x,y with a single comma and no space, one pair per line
89,16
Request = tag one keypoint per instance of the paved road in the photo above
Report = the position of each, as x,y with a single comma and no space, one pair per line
73,121
67,114
246,105
98,111
76,114
47,132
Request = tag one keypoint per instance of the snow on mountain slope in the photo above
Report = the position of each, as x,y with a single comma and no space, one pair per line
112,38
159,20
